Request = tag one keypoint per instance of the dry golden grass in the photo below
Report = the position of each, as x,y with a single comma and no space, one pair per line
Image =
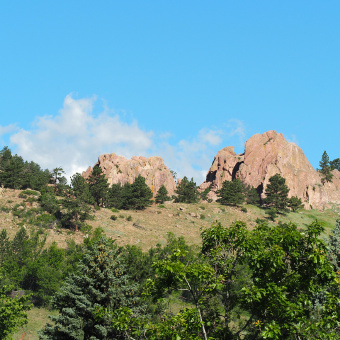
151,226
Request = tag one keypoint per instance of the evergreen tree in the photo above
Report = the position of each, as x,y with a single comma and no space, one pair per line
325,169
88,298
162,195
252,196
295,203
116,196
277,193
98,185
187,191
138,195
335,164
231,193
81,188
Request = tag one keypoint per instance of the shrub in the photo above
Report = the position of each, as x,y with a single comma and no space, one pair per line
161,206
114,210
244,209
202,216
129,218
113,217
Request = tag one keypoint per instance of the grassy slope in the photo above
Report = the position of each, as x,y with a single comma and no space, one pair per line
149,227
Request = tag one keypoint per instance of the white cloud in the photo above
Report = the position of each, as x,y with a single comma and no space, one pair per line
7,129
75,137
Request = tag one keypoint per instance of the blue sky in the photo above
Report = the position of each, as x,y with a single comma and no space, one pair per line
177,79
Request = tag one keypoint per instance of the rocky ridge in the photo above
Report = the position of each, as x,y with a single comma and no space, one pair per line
118,169
264,156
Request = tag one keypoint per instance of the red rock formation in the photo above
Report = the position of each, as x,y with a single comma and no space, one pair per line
118,169
268,154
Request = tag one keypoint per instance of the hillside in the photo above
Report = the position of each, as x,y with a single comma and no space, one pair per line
148,227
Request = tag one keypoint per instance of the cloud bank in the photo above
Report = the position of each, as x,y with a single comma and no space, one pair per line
76,136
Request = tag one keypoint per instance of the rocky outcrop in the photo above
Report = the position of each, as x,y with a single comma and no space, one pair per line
268,154
118,169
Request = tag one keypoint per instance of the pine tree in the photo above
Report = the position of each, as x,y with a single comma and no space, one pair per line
295,203
335,164
231,193
325,169
277,193
98,185
88,298
187,191
138,195
162,195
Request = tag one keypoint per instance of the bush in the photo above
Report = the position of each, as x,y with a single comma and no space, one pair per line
161,206
114,210
129,218
113,217
244,209
86,229
121,216
202,216
30,192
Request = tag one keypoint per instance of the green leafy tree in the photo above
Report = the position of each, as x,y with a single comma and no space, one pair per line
81,188
162,195
334,246
98,185
295,203
325,169
186,191
12,311
231,193
89,298
277,193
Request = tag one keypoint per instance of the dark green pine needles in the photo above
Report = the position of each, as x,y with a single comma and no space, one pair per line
88,298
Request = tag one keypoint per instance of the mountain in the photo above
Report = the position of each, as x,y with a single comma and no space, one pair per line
118,169
264,156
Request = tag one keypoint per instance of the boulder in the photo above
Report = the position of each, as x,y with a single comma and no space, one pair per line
118,169
268,154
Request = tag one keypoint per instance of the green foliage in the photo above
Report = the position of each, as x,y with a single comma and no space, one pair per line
295,203
335,164
113,217
252,196
162,195
325,168
186,191
244,209
138,195
81,188
334,246
204,193
231,193
17,174
129,218
88,299
277,193
12,311
272,214
74,213
98,185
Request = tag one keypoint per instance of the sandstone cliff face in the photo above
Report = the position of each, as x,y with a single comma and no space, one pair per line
118,169
268,154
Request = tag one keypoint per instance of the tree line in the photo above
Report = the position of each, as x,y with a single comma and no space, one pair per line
271,282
